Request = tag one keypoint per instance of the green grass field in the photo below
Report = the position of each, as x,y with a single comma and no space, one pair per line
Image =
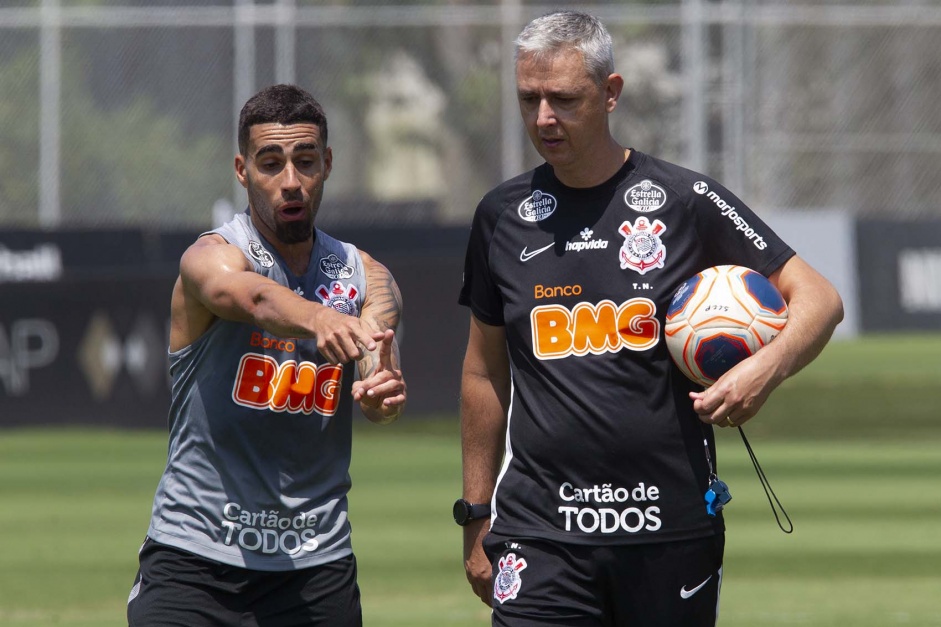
852,446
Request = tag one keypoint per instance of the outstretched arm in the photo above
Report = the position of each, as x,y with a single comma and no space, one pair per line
217,281
381,390
485,400
814,310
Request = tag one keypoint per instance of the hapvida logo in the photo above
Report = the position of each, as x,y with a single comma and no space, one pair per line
587,243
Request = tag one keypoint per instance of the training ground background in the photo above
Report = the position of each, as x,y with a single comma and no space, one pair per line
850,446
117,123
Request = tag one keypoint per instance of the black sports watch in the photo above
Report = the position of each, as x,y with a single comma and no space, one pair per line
465,512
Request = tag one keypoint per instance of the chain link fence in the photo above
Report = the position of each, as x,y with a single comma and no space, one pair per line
122,113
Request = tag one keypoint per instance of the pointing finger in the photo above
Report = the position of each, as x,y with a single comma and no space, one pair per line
385,350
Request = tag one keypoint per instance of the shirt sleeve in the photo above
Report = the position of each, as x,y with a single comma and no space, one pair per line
479,291
732,233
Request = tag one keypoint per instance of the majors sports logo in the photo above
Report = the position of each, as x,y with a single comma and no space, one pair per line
730,212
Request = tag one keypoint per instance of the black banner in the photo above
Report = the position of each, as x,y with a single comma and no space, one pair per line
84,327
899,266
85,351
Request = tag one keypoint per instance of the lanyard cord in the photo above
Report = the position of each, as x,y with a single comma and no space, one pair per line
762,478
769,491
712,472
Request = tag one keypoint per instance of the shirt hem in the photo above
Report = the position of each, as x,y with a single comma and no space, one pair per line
715,529
264,565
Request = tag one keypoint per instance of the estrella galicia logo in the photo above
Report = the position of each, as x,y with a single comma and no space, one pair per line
645,196
258,251
537,207
334,267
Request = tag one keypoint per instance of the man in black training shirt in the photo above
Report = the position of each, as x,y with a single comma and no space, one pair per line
585,450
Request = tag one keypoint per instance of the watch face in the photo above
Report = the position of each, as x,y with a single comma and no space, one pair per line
460,512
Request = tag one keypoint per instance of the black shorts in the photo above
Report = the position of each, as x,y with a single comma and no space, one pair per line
668,584
176,588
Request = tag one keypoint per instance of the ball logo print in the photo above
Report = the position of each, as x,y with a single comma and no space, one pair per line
719,317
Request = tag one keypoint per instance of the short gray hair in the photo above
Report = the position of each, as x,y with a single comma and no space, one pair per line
554,32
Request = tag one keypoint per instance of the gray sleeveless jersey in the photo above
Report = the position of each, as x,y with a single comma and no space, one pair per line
260,428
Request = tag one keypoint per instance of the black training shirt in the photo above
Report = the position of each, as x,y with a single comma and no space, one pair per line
603,445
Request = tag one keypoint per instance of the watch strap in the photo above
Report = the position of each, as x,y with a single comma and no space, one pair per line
478,510
465,512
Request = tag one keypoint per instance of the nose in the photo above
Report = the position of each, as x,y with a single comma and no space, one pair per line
545,116
289,180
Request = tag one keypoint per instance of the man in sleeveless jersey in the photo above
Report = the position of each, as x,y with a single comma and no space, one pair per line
277,330
586,453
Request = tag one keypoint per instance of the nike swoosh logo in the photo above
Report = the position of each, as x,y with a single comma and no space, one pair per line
526,256
688,593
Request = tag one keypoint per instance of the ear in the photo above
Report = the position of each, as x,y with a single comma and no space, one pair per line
241,172
612,90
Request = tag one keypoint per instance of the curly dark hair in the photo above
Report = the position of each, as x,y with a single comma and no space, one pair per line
280,104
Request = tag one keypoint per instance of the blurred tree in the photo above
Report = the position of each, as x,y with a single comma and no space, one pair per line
136,166
127,165
19,128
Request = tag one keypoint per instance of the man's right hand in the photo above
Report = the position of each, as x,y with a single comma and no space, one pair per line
476,565
342,338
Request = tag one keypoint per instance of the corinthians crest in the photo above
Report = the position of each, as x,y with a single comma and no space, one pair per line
340,297
507,583
643,250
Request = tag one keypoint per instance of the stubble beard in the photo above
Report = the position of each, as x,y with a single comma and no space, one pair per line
294,232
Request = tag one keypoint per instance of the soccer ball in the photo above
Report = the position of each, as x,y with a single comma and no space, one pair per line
719,317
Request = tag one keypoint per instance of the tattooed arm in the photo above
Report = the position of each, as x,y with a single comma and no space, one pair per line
380,390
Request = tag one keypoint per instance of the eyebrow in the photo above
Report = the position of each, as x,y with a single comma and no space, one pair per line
269,148
275,148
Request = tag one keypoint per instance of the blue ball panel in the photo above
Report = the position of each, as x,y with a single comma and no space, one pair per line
718,354
683,294
764,292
